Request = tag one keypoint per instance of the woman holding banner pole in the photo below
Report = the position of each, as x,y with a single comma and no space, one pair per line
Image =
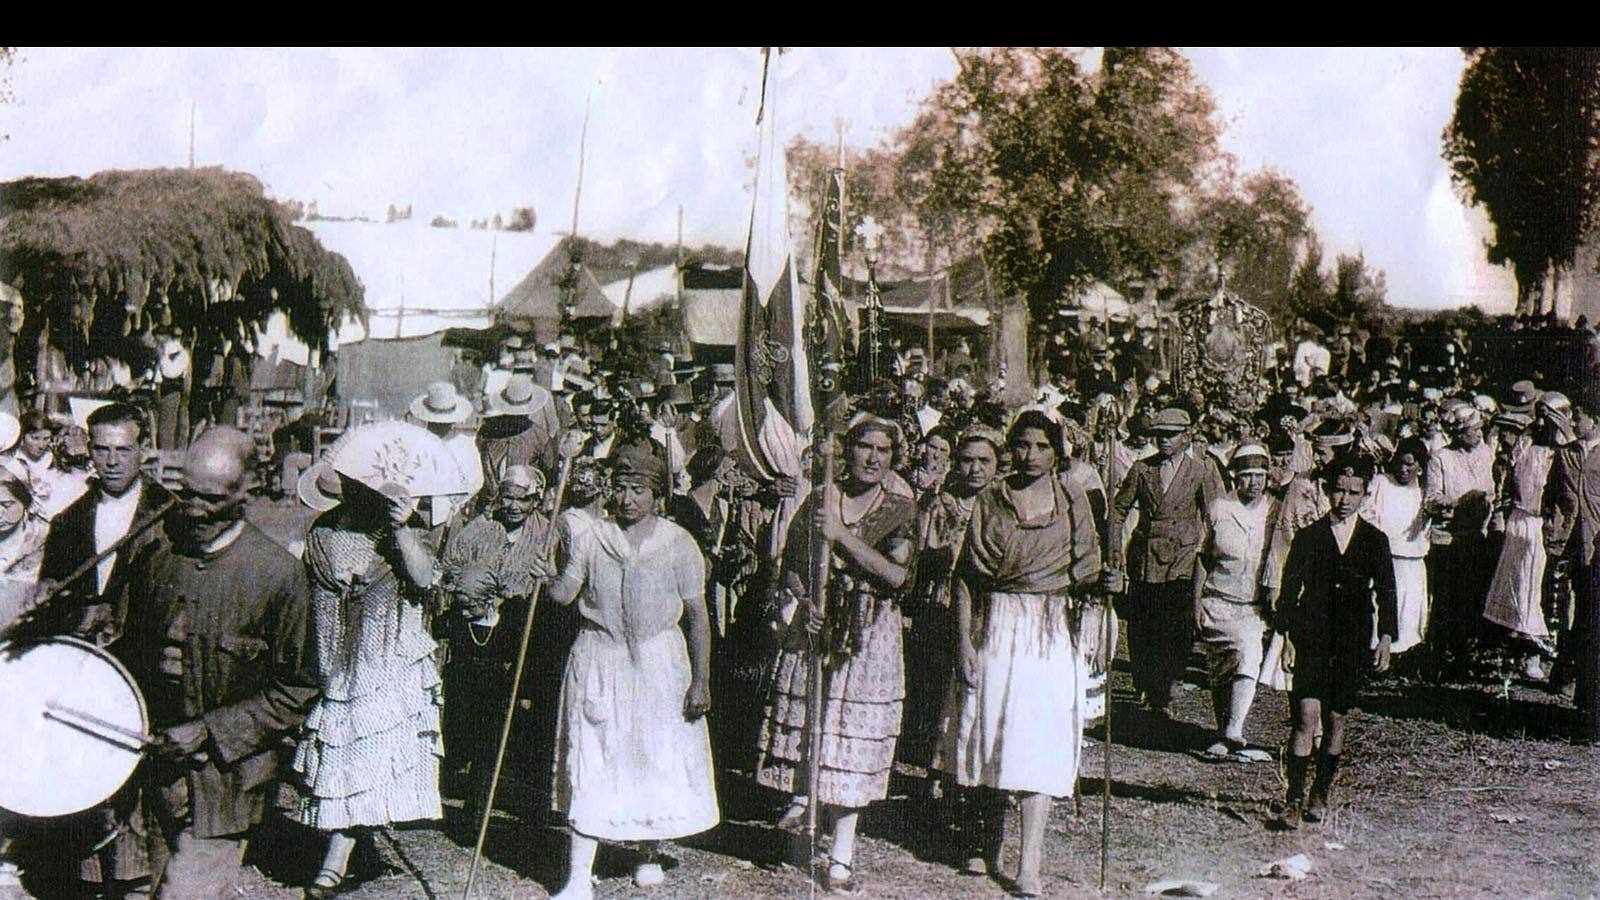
870,521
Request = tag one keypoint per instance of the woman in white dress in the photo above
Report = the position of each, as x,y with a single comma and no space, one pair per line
1515,593
633,757
1016,715
371,753
1395,507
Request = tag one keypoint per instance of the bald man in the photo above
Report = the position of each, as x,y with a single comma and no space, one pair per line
219,640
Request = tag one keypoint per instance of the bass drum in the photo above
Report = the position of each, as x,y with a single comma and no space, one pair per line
74,726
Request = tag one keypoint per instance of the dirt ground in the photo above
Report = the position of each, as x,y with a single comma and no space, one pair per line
1455,791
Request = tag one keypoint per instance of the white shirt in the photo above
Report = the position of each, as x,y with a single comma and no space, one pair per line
1342,532
113,516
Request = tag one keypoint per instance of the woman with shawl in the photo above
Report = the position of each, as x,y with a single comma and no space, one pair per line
1016,721
870,521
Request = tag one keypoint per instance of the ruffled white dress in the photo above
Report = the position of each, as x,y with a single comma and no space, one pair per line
372,748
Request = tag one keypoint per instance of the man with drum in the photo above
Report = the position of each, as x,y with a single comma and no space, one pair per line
115,517
218,636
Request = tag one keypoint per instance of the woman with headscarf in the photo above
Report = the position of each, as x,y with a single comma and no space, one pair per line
370,755
21,548
1515,592
633,760
1229,615
870,521
1016,720
930,644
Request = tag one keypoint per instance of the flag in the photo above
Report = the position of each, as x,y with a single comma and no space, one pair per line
772,379
830,335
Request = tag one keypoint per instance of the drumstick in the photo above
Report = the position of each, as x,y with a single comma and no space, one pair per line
88,565
96,727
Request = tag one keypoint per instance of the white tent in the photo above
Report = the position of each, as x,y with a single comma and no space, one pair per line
650,289
420,280
1102,301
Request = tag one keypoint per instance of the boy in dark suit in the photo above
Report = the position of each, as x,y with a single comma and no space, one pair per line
1338,577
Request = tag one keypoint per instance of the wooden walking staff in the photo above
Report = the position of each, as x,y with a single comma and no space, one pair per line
822,550
1105,774
516,682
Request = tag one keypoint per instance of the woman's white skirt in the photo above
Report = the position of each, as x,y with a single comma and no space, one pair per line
1515,593
1020,727
628,766
1411,599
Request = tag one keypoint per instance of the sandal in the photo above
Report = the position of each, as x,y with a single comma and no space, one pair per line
326,884
837,884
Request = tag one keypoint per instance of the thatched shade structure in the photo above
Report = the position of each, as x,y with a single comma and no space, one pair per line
96,258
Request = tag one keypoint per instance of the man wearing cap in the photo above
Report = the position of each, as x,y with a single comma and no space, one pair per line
488,571
441,410
1457,487
1573,504
1228,596
520,428
1301,502
1171,491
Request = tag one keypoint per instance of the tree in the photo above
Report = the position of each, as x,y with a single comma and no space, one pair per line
1357,291
522,219
444,222
1082,175
96,258
869,190
1251,232
1310,294
8,96
1525,145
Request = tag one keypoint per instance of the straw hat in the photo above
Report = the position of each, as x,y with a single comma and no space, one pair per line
441,404
318,487
10,431
518,397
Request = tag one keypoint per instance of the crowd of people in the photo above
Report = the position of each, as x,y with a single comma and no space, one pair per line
985,561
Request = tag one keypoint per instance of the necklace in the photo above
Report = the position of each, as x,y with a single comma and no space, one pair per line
871,505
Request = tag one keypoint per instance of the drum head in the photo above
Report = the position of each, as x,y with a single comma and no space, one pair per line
54,767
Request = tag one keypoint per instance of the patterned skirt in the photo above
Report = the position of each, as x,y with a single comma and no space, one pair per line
864,695
374,760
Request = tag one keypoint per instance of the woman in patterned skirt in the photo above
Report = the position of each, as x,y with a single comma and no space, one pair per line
1016,716
371,752
871,524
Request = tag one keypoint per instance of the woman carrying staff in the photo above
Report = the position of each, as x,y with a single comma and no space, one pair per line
870,520
371,753
1017,718
633,760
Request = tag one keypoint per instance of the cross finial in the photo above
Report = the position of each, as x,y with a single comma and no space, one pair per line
869,231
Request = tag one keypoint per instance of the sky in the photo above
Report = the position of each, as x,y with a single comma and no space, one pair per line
468,133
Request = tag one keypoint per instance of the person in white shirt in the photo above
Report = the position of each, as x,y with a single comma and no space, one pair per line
1228,597
1457,489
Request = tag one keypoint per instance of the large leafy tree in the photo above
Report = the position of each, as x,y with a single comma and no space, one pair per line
1525,145
1251,231
98,258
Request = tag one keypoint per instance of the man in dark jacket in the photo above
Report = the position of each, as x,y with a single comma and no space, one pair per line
1171,490
120,499
218,637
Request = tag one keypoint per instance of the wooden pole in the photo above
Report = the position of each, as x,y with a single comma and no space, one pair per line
1105,774
815,702
516,686
583,143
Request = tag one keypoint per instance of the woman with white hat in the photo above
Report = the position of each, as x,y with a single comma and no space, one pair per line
1228,597
371,753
